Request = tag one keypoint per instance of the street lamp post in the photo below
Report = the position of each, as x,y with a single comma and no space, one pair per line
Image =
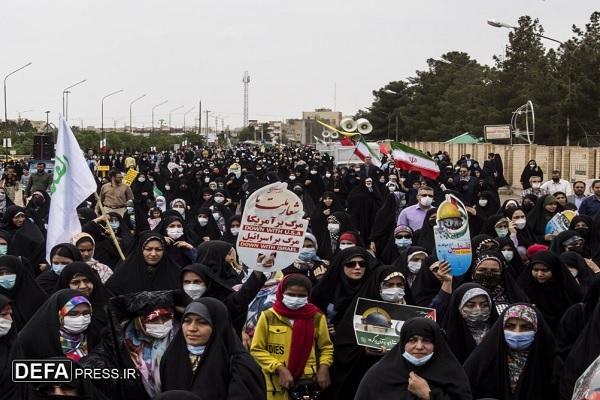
130,119
498,24
103,134
186,113
388,91
6,112
175,109
166,101
66,92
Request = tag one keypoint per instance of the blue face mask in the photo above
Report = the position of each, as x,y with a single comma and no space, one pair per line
58,269
3,249
196,350
114,225
8,281
416,361
403,242
519,340
307,254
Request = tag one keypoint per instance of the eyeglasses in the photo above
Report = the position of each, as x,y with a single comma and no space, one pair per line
403,237
353,264
426,195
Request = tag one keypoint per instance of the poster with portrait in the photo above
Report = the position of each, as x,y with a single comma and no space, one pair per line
272,228
588,384
560,222
452,237
378,323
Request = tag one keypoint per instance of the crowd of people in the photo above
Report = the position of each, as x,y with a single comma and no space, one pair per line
153,282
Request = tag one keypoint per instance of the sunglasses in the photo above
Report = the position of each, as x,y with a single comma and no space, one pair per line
426,195
353,264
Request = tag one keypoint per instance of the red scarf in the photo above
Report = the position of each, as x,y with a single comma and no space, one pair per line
303,332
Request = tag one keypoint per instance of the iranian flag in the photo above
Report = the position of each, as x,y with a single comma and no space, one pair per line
411,159
362,150
103,142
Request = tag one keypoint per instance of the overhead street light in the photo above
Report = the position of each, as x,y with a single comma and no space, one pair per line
186,113
66,107
497,24
6,112
130,119
164,102
103,134
175,109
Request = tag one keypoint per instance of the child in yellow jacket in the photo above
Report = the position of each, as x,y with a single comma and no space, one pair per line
291,340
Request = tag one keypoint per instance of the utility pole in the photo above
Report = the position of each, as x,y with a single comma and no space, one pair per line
206,111
246,80
161,123
199,117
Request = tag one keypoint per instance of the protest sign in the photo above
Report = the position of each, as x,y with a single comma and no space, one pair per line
130,176
378,323
272,227
560,222
452,238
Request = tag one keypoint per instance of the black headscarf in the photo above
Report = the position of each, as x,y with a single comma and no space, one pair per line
363,205
538,217
47,280
40,338
228,236
325,238
487,367
424,237
525,236
132,274
26,296
443,373
555,296
211,230
213,254
336,288
490,208
351,363
9,351
178,254
557,246
27,240
99,297
227,370
459,337
576,318
585,277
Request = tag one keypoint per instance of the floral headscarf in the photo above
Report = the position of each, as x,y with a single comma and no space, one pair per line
523,312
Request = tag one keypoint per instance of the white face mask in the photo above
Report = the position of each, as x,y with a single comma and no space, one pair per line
333,228
235,231
180,210
313,172
426,201
536,185
219,199
292,177
483,203
294,303
508,255
159,331
414,266
216,216
203,221
392,295
5,325
142,179
130,210
520,223
327,175
194,291
345,246
175,233
77,324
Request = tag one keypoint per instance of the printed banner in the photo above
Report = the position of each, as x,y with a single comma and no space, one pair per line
130,176
378,323
272,226
452,238
560,222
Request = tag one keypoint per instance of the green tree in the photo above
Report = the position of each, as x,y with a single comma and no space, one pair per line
246,134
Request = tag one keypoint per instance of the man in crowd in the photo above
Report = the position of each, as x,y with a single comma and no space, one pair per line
557,185
414,216
114,195
591,204
536,188
578,193
41,181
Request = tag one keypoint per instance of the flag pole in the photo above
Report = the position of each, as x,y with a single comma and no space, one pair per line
110,229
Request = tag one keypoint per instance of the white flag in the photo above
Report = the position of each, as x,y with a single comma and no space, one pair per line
73,183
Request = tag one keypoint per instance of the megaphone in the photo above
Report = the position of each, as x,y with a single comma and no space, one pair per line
326,134
335,135
364,126
348,124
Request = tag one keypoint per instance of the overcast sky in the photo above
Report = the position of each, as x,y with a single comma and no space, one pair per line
296,52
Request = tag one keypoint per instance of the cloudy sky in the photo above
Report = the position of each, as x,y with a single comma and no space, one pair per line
296,52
